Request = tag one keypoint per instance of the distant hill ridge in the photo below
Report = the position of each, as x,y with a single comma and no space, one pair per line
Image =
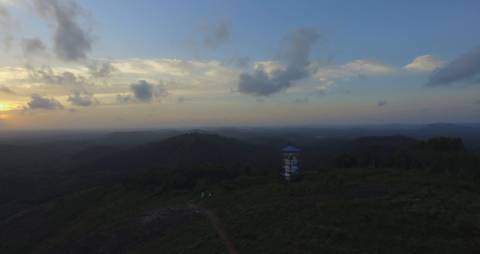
391,141
188,150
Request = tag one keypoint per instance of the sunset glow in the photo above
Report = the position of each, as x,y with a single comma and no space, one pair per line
230,63
6,107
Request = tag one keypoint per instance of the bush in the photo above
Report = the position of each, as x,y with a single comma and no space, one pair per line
345,161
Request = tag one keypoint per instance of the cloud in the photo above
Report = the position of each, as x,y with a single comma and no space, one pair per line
3,10
356,69
239,62
4,89
381,103
5,25
71,41
425,63
47,75
369,67
33,46
188,78
125,98
303,100
264,82
143,91
216,35
101,69
39,102
464,68
184,76
82,99
322,90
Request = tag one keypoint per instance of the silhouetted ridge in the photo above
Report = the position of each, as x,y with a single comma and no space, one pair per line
385,141
189,150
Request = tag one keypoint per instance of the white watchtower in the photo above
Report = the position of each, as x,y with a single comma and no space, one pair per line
290,162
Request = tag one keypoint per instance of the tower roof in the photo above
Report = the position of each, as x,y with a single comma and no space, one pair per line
290,149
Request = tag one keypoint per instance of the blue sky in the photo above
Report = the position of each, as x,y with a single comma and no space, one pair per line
393,30
250,62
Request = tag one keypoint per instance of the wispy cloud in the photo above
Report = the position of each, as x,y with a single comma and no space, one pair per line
71,40
5,25
355,69
33,46
217,34
425,63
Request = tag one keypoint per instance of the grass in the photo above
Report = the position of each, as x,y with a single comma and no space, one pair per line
330,211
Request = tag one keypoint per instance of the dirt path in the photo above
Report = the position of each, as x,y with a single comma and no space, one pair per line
217,225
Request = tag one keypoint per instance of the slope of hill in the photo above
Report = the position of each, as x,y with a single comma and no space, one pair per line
189,150
334,211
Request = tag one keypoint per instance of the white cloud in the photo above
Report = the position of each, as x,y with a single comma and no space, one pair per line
425,63
354,69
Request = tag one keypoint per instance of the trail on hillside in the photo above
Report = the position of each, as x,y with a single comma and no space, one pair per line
217,225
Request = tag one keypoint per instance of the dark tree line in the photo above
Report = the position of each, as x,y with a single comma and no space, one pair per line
442,154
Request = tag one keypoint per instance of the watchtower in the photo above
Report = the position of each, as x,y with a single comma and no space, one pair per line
290,162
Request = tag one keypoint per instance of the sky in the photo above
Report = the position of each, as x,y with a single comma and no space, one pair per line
111,64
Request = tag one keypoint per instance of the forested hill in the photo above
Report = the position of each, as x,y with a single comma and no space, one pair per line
188,150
